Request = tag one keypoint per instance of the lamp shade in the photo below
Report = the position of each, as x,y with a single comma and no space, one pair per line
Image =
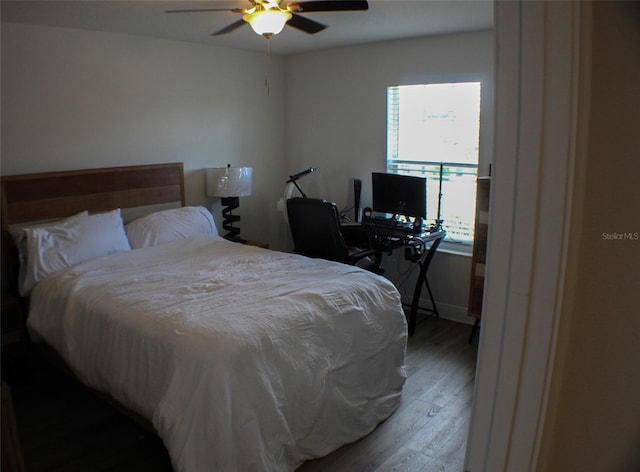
267,22
229,181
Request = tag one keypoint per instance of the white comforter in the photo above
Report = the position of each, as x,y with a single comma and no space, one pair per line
243,358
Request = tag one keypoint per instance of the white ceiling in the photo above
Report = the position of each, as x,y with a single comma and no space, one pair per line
385,20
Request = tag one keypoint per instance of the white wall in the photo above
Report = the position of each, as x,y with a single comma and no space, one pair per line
78,99
336,120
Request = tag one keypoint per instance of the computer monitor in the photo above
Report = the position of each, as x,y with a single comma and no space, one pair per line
399,194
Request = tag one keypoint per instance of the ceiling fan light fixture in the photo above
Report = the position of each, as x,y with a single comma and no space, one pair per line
267,22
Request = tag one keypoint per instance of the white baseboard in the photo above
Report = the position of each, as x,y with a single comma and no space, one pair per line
450,312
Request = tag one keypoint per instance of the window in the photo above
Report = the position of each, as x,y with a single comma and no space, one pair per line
433,131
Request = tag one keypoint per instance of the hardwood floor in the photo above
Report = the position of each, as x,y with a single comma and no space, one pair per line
65,427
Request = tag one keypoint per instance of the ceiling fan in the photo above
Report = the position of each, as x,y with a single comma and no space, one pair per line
269,17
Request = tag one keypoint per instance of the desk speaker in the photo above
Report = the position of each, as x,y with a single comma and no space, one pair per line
417,225
357,189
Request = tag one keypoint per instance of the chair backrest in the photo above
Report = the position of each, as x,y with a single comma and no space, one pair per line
315,228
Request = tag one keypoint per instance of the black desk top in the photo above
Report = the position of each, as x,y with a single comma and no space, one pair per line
368,234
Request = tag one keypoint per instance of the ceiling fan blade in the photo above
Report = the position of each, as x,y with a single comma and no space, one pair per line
328,5
233,26
305,24
200,10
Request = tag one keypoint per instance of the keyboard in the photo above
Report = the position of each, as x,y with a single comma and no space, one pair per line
388,226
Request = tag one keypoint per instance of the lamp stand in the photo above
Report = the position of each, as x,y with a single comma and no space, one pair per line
233,233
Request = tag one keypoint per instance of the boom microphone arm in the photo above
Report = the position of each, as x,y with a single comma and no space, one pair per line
299,175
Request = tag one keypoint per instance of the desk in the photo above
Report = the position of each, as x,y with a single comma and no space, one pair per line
419,249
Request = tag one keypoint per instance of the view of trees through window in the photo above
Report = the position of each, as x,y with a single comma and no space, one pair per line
433,132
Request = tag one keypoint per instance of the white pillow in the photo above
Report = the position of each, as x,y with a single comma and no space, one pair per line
19,236
52,248
166,226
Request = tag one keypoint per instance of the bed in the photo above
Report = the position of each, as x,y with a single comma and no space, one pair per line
241,358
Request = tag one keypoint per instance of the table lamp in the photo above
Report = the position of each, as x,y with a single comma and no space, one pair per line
229,183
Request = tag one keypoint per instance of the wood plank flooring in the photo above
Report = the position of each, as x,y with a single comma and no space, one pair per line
65,427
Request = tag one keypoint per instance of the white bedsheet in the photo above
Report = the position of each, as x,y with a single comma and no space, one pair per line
242,358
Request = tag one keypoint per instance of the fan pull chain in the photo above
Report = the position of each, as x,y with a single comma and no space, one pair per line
266,62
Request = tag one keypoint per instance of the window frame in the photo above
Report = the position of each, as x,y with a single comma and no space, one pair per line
394,164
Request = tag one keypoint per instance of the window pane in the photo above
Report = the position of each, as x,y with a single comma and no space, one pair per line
436,122
458,202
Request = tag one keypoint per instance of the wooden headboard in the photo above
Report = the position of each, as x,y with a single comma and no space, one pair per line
52,195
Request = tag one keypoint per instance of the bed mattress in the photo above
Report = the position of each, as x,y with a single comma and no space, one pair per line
242,358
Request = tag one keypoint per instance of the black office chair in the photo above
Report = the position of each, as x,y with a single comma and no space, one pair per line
315,228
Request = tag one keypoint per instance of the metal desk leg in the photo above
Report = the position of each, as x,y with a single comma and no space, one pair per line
422,278
433,301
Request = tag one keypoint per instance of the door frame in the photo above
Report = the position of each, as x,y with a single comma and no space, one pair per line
541,79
